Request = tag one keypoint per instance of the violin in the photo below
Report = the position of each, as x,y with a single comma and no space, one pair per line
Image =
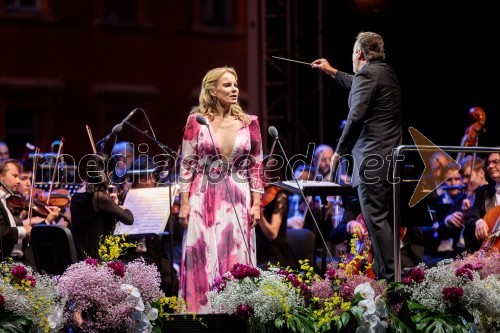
270,194
492,218
59,198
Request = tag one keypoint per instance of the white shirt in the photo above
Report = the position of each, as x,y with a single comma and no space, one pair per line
17,251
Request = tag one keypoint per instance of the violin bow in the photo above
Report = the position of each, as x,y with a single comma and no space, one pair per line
55,170
92,143
35,165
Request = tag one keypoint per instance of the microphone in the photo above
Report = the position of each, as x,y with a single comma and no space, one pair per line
274,133
203,121
118,127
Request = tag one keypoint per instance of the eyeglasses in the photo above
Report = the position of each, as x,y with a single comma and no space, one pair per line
495,162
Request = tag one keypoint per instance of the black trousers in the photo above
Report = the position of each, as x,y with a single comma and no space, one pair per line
376,205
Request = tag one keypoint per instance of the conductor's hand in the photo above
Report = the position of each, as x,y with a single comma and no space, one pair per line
354,227
295,222
254,215
325,66
184,214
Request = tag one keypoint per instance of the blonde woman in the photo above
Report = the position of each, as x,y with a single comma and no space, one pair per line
220,187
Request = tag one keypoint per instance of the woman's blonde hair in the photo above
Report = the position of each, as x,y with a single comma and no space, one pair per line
208,104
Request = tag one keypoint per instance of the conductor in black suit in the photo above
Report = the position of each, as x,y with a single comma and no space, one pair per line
372,130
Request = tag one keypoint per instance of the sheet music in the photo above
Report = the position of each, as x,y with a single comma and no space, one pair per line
151,209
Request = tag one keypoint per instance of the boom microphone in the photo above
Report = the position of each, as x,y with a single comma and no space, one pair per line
118,127
274,133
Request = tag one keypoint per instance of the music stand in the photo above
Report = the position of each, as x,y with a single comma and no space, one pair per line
323,189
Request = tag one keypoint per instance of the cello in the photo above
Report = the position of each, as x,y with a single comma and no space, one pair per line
492,218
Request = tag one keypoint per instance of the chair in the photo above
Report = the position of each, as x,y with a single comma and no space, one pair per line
303,243
53,248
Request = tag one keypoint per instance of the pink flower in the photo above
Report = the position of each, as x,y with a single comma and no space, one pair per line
219,284
240,271
91,261
31,279
243,311
465,272
2,303
331,274
19,272
453,294
117,267
416,274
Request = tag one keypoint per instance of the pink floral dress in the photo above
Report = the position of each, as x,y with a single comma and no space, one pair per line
218,234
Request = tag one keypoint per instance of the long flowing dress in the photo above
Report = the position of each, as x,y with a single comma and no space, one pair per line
218,234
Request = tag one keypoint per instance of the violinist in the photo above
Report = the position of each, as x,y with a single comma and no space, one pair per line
474,175
94,212
272,246
12,230
53,215
487,197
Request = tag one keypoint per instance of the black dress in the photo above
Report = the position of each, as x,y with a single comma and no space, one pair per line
277,250
94,215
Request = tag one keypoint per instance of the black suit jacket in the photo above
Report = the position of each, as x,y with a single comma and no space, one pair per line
9,234
373,125
483,201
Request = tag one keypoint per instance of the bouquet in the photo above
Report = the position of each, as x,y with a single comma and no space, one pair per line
266,298
111,296
29,302
456,295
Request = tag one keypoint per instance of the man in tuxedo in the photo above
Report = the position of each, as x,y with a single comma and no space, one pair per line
12,230
372,130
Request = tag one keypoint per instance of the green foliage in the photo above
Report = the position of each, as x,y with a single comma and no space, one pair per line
428,321
10,323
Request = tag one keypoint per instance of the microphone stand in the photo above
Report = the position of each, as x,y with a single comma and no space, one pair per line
103,141
304,198
163,147
170,232
230,196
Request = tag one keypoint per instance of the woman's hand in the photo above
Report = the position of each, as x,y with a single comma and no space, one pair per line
184,214
254,215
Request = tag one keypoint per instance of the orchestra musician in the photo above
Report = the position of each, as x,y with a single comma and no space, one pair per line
487,197
12,230
272,246
94,212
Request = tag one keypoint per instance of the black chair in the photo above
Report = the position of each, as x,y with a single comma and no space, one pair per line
303,243
53,248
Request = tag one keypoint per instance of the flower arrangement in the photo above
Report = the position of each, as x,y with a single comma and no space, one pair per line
456,295
264,297
113,296
29,302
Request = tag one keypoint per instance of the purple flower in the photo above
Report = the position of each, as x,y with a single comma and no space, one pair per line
117,267
453,294
416,274
331,274
240,271
31,280
465,272
2,303
282,272
243,311
91,261
19,272
293,279
219,284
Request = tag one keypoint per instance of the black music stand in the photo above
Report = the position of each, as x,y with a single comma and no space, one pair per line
323,189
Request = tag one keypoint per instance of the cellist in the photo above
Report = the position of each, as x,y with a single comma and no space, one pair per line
487,198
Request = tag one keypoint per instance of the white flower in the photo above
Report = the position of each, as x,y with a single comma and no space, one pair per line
380,305
367,305
366,291
134,296
367,324
55,319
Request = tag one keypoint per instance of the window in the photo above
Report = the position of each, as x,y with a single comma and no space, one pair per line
122,12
